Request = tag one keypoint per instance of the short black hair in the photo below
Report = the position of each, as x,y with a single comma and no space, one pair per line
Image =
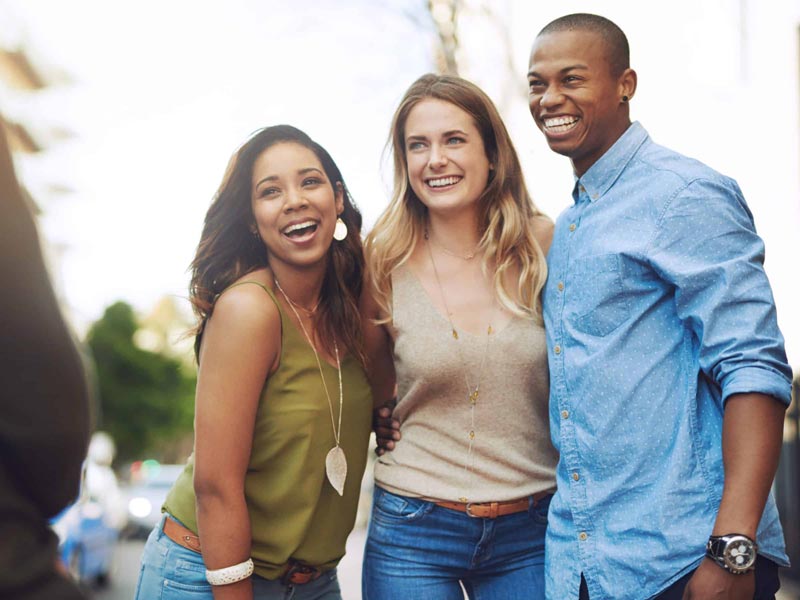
619,54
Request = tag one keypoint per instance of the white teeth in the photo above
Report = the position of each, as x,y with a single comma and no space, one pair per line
560,124
297,226
557,121
443,181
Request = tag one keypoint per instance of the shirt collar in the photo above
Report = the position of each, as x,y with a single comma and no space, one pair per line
602,174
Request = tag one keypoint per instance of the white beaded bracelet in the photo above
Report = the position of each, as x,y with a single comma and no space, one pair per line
230,574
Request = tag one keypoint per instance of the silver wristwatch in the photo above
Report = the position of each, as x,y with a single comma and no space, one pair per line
734,552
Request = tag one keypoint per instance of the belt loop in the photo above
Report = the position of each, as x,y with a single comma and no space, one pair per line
493,508
161,522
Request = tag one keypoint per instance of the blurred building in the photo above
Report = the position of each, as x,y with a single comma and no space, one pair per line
25,78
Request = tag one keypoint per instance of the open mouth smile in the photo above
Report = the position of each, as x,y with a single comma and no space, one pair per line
301,231
559,124
443,182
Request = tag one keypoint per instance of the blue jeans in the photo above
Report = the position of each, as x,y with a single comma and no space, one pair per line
416,549
171,572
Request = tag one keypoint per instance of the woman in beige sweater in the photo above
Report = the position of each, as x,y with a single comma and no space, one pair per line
453,320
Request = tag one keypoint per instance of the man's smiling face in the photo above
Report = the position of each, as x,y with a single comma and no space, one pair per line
575,97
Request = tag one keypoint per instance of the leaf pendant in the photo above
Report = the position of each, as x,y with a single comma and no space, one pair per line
336,468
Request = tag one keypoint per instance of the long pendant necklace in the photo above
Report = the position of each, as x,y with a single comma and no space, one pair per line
335,461
473,390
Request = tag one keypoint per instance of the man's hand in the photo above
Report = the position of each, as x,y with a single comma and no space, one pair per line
387,429
712,582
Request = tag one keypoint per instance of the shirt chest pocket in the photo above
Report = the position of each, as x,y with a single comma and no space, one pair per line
596,302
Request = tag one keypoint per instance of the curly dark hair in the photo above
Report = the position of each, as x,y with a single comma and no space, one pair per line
228,250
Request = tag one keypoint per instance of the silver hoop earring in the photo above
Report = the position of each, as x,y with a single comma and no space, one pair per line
340,231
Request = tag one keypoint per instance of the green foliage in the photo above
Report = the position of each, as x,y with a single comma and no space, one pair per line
147,401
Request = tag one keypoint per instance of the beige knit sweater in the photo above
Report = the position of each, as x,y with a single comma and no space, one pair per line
512,456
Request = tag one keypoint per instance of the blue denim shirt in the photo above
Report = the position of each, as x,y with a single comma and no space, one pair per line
657,308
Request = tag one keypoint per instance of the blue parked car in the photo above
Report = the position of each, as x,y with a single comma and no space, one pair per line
86,541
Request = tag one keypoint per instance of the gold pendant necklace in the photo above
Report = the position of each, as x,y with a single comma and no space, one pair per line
473,391
335,461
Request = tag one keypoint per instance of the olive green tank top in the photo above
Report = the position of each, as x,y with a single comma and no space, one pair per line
294,511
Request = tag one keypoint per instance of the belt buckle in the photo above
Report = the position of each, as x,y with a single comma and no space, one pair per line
298,573
493,507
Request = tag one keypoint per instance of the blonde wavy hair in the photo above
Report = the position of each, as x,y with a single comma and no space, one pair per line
506,211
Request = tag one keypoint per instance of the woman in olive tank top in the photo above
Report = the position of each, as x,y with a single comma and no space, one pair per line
283,407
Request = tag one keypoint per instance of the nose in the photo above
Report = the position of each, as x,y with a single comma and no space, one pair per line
437,158
550,98
295,199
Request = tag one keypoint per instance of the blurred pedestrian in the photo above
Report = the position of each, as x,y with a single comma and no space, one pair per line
44,406
282,416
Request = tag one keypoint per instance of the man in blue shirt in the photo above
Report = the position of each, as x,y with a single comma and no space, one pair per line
668,375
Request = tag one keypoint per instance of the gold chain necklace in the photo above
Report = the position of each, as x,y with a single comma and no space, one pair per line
468,256
335,461
309,311
473,391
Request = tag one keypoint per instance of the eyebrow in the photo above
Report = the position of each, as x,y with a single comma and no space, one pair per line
444,134
578,67
300,172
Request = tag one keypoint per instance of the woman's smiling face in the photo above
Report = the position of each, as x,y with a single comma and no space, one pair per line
294,204
445,156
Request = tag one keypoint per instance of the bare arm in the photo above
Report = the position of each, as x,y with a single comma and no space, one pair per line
752,433
240,348
380,372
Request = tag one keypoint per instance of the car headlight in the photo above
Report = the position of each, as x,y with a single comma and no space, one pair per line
140,507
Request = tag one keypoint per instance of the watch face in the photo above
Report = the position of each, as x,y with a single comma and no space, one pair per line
739,553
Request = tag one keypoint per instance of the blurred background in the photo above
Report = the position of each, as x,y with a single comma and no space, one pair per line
123,115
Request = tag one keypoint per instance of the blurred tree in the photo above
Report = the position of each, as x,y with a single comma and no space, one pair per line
146,398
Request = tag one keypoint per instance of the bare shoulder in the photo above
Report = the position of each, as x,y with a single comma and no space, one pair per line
543,231
246,306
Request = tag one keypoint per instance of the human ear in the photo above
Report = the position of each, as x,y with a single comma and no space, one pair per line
626,85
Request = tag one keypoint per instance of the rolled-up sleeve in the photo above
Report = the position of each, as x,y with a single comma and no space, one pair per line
706,246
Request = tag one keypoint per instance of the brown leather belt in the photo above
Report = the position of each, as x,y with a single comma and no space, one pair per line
298,573
181,535
492,510
294,573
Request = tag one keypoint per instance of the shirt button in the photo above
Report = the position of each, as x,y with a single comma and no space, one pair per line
565,414
557,349
582,536
575,476
560,286
595,196
572,226
581,188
